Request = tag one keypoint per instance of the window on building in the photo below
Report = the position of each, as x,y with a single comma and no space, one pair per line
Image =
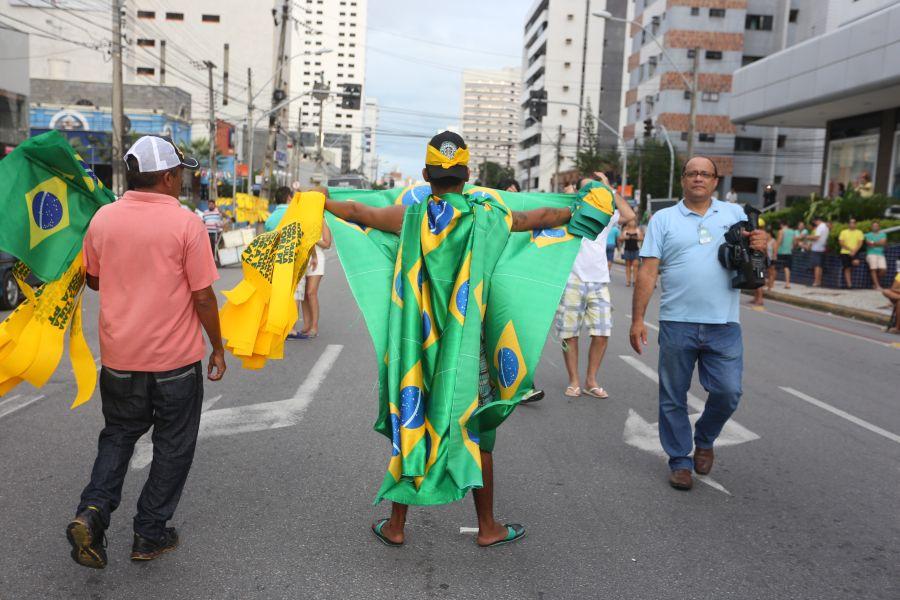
684,136
746,60
778,179
146,14
709,96
173,16
568,41
848,158
210,18
717,12
570,17
713,55
695,11
707,137
146,71
564,111
745,185
687,94
565,88
145,43
747,144
782,140
567,65
691,52
792,15
758,22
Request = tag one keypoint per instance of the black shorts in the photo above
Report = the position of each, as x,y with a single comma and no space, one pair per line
847,260
785,261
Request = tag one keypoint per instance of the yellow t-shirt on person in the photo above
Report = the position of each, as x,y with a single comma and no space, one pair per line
852,238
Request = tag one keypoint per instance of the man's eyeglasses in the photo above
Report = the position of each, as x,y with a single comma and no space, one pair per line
703,174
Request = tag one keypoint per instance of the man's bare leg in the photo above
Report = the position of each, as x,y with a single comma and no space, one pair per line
393,529
817,276
595,358
570,355
489,530
847,278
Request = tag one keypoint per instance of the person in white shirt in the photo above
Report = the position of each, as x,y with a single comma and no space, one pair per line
819,238
731,196
586,304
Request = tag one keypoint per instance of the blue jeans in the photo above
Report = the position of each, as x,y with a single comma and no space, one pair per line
133,401
719,353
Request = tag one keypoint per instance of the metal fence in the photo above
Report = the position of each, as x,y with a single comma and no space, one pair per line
832,276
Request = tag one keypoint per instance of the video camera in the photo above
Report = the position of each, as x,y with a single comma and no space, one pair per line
735,253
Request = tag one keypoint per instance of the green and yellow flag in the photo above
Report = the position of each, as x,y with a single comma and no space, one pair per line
456,282
48,195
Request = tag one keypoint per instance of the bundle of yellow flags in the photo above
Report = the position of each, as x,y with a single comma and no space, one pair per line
260,310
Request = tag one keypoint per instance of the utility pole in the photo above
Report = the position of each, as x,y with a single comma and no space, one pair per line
250,131
225,77
278,95
321,92
298,147
162,62
212,133
117,100
587,17
558,156
692,124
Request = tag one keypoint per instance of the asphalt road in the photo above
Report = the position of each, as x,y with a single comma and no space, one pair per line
803,503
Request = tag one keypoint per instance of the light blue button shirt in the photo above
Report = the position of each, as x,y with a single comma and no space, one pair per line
695,287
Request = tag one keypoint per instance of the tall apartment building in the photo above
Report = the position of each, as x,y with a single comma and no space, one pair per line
490,115
727,34
844,78
577,59
338,26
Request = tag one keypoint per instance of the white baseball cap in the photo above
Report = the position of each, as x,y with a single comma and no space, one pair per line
154,153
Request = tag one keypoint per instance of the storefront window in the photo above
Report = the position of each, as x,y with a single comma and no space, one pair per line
848,159
895,171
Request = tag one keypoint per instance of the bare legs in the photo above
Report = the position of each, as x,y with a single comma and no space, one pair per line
489,531
876,275
817,277
787,277
630,272
311,305
595,358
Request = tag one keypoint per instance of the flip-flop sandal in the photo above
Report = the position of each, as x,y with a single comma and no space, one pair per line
376,529
575,391
600,393
294,336
307,336
514,533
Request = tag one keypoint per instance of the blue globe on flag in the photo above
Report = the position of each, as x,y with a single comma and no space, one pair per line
47,210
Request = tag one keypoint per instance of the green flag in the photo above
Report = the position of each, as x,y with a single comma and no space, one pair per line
455,283
48,195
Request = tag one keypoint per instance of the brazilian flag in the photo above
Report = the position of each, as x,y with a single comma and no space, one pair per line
48,195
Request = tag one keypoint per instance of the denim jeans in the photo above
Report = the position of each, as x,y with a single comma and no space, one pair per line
133,401
719,353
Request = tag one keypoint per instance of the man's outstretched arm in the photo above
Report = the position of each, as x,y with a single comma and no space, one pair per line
388,218
540,218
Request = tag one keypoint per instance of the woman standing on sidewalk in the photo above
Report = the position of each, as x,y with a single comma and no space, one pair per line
631,245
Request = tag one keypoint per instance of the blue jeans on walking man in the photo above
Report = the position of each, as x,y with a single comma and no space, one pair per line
718,352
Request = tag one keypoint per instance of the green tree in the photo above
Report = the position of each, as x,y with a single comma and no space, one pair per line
590,158
198,148
491,174
652,158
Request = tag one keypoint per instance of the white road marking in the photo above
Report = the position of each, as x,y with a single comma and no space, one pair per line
18,405
143,450
644,435
647,323
844,415
10,399
468,530
265,415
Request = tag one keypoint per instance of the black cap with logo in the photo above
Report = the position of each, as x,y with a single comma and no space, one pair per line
447,156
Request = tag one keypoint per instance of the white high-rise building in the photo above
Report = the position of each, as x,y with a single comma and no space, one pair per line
338,26
577,60
490,115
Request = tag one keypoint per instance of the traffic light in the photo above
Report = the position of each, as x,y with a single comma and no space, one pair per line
537,104
351,97
648,128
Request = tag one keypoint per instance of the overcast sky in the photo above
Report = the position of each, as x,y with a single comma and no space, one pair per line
417,51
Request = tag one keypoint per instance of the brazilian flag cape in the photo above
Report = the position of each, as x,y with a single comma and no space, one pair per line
454,279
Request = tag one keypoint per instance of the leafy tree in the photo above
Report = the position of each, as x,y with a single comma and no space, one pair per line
652,160
491,174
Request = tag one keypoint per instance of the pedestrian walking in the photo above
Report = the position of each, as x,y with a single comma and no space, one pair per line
214,223
699,317
586,305
632,236
851,241
785,242
151,262
817,242
425,245
876,240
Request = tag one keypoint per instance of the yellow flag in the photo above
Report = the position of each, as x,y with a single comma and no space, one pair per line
260,310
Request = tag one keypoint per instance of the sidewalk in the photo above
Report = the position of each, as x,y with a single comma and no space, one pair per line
862,304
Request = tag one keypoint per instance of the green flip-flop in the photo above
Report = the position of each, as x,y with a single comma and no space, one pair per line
376,529
514,532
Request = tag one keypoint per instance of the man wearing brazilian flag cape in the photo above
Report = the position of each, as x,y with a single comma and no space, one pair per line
458,306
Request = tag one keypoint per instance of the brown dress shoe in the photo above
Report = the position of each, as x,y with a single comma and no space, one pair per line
703,460
680,479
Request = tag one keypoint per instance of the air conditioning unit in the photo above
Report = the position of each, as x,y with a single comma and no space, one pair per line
656,20
650,99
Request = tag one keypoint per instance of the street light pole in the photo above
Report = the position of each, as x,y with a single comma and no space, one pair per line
688,85
671,158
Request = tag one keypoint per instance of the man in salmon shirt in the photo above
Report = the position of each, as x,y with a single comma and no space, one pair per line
152,263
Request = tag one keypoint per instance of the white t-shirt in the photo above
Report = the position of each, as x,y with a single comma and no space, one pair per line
731,197
822,233
590,264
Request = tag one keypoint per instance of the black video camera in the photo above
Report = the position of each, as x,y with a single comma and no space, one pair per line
735,253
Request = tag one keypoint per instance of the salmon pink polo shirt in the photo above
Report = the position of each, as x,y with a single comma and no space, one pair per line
149,254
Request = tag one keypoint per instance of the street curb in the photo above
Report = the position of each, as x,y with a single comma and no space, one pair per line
837,309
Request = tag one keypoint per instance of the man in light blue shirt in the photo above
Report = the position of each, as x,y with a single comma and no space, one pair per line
698,317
